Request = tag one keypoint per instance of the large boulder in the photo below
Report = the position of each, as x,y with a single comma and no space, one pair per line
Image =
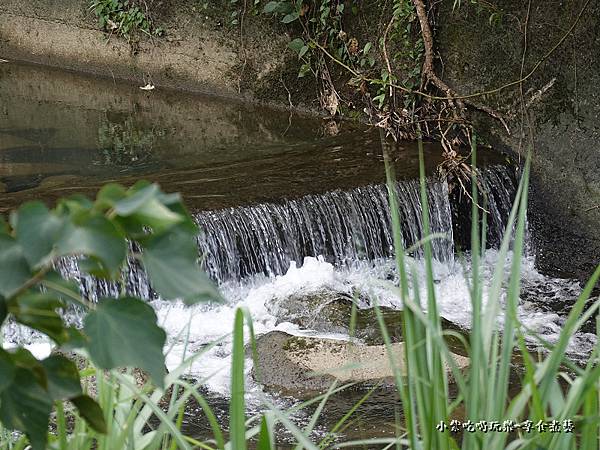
302,366
330,311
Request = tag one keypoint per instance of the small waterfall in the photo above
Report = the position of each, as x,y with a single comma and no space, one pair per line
497,188
135,281
342,226
499,185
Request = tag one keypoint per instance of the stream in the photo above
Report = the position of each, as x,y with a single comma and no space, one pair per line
288,207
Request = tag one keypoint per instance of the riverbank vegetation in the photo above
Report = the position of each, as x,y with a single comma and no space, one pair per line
94,404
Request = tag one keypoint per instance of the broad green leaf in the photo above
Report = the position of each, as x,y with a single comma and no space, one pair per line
146,208
92,266
296,45
37,231
132,204
7,370
175,204
302,51
65,290
97,237
76,339
26,406
124,333
109,195
271,7
14,270
38,311
23,359
290,17
76,205
170,261
91,412
63,377
152,214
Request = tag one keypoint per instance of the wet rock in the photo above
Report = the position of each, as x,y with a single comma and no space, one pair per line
303,366
329,311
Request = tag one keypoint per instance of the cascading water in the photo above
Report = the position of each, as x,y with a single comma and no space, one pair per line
339,243
343,227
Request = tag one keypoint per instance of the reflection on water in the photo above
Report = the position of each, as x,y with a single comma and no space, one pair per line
62,133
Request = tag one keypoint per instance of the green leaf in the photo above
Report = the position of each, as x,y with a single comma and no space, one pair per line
63,377
265,439
76,205
170,261
152,214
237,409
271,7
97,237
65,290
290,17
91,412
296,45
147,207
368,46
302,51
14,270
303,70
38,311
76,339
26,406
132,204
37,230
109,195
7,370
124,333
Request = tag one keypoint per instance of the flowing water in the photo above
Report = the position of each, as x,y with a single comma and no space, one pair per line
287,208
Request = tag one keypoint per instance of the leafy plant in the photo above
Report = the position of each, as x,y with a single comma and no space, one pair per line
117,332
124,17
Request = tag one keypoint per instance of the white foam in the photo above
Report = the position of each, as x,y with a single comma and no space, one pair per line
315,274
192,329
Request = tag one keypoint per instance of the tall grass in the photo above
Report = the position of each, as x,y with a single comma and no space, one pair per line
550,388
483,390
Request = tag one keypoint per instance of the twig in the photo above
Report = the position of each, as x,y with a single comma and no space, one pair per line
39,276
288,92
387,62
592,208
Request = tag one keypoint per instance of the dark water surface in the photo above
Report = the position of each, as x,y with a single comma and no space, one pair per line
62,132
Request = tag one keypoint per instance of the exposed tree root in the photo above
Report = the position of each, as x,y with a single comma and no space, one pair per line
430,76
